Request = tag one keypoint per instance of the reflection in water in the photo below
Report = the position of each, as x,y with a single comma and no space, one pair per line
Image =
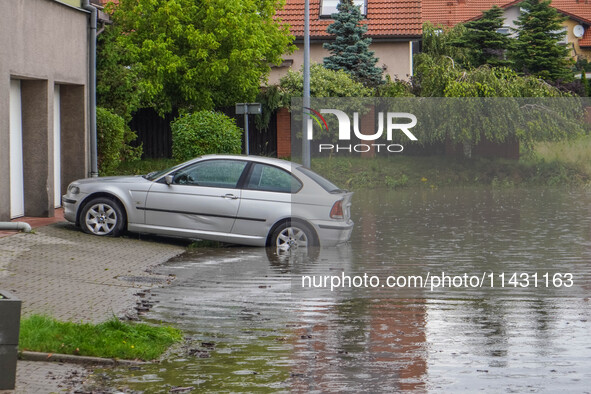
253,328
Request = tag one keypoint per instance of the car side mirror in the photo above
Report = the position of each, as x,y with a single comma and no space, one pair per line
168,179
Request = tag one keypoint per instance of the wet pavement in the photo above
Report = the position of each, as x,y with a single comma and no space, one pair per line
503,303
60,271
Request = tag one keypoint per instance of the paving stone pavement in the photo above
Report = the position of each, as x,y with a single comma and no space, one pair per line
60,271
70,275
35,377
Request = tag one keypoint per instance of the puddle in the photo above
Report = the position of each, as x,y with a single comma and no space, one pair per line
252,327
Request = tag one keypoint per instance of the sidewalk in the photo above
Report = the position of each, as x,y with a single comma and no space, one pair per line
60,271
36,222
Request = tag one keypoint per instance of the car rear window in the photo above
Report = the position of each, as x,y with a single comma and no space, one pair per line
272,179
325,183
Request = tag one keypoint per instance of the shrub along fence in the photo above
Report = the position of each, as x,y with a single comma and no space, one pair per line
155,133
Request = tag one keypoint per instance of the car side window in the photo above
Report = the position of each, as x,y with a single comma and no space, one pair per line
211,173
272,179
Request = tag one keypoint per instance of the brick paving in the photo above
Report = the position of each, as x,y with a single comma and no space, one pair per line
60,271
36,377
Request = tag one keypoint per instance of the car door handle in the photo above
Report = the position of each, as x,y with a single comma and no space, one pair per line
230,197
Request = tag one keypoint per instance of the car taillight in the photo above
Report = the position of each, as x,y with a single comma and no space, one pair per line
337,210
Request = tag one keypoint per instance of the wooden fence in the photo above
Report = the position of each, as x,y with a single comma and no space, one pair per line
154,133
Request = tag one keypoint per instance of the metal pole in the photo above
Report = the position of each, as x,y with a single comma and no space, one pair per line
305,117
92,88
246,129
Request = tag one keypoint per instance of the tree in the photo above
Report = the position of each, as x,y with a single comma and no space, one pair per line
350,50
537,50
486,45
494,103
197,55
584,84
437,42
323,83
113,140
117,85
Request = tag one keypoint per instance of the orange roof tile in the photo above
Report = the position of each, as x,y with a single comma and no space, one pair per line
385,18
585,41
579,10
452,12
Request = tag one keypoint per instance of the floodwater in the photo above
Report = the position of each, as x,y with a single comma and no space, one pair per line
471,325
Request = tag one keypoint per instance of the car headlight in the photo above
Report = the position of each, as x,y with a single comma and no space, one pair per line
73,189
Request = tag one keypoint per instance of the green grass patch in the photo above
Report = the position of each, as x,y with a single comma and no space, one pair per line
112,339
576,153
355,173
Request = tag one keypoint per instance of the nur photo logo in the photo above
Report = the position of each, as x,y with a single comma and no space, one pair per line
394,122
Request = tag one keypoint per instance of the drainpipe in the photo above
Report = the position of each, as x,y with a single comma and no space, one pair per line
16,226
92,86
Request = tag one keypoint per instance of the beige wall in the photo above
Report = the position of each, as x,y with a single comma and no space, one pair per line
512,13
396,56
574,41
43,43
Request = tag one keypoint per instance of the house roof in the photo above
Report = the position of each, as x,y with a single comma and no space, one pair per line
384,19
452,12
579,10
585,41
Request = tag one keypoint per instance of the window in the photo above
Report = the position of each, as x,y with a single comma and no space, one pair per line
325,183
329,7
504,30
563,39
272,179
211,173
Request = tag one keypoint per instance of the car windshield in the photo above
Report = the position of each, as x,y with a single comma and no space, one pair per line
325,183
157,174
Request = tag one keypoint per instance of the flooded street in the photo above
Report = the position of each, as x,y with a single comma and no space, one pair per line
459,290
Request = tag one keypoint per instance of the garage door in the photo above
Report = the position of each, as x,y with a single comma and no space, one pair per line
57,179
17,193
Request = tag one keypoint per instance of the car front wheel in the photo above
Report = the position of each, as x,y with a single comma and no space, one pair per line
102,216
290,236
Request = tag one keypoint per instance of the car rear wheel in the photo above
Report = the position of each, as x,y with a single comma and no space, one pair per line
290,236
102,216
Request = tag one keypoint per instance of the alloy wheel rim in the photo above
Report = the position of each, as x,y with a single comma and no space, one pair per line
101,219
292,238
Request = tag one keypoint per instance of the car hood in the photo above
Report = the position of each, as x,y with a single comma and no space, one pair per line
113,179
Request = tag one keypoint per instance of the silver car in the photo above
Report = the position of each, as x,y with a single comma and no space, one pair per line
246,200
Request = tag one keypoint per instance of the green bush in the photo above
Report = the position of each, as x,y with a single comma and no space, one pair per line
323,83
203,133
113,138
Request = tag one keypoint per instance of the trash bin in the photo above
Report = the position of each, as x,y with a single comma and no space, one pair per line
10,318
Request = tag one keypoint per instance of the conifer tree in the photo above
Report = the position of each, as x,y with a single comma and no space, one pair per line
486,45
537,50
350,49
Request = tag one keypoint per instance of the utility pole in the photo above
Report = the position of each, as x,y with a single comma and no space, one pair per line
306,103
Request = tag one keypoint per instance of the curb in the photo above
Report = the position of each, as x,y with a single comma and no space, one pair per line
83,360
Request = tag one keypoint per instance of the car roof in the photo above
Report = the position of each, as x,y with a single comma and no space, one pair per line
259,159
